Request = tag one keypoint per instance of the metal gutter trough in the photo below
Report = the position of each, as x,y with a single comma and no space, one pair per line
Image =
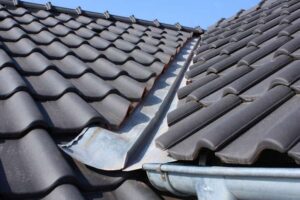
133,145
226,183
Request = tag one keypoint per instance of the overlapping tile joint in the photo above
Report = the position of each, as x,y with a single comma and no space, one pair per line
62,70
66,72
242,93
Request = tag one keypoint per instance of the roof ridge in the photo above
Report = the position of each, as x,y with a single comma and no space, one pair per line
78,11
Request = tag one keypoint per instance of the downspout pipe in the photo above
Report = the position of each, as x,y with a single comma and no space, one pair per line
226,183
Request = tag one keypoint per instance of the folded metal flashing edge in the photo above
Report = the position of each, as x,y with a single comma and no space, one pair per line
133,145
226,183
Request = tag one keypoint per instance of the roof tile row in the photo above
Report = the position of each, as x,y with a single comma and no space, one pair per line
241,96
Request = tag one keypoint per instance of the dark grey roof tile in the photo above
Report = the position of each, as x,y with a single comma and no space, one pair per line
290,30
50,21
263,51
43,37
201,49
227,33
170,43
103,22
70,66
200,68
10,82
149,48
18,156
55,50
8,23
60,30
109,35
22,47
92,86
5,59
105,68
65,72
157,67
220,42
4,14
70,112
196,121
42,14
206,56
124,45
257,75
186,90
25,19
265,90
73,24
232,47
63,17
291,8
231,60
218,83
34,63
131,38
135,32
277,131
128,87
113,108
163,57
12,34
167,49
83,19
116,30
86,33
289,48
288,75
116,55
190,147
139,27
122,25
219,133
19,11
142,57
99,43
138,71
87,52
291,18
48,85
19,113
72,40
183,111
151,40
34,27
96,27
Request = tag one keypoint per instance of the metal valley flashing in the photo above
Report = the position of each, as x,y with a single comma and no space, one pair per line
133,145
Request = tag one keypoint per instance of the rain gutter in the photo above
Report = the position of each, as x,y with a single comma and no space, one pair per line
226,183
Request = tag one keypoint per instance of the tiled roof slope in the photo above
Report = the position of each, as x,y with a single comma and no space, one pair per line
242,96
60,71
65,71
33,168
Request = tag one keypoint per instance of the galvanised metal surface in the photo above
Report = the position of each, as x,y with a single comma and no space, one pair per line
226,183
133,145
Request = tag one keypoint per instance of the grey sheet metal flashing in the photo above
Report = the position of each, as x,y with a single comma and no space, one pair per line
226,183
197,30
133,145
